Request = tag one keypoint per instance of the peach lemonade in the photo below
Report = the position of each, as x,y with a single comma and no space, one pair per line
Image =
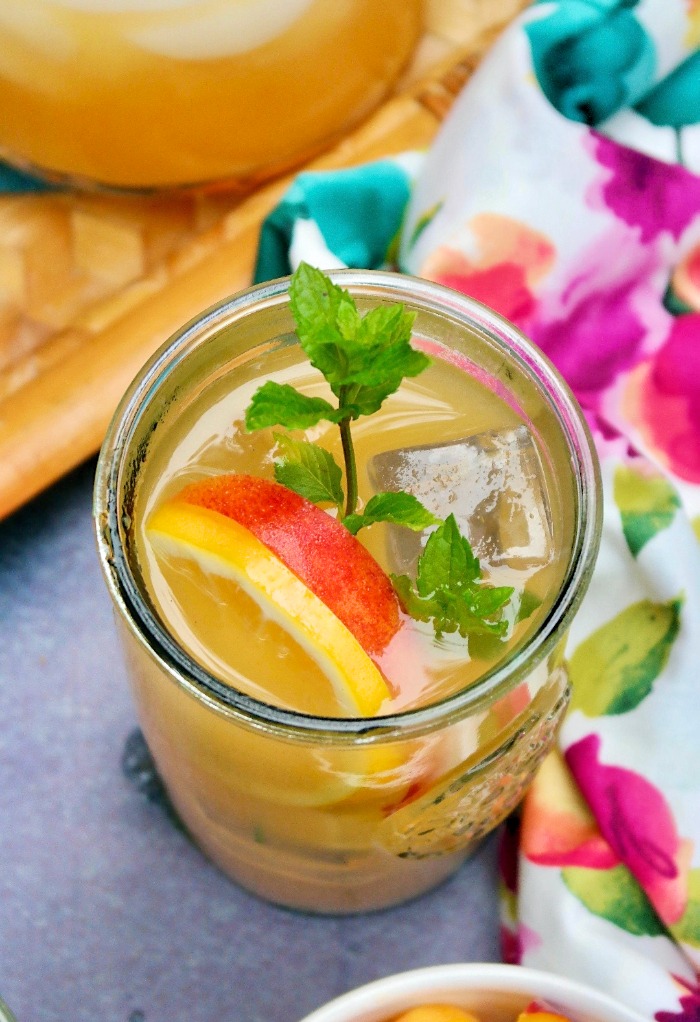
159,93
346,522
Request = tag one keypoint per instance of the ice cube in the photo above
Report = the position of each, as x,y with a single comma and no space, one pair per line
493,484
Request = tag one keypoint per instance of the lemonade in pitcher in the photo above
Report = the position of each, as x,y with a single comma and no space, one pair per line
162,93
346,524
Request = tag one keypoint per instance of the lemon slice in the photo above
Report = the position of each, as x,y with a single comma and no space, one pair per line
223,547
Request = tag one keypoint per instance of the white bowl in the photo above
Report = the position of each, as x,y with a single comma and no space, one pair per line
494,992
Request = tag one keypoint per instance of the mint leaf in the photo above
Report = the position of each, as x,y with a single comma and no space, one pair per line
529,603
448,590
485,601
448,560
278,404
369,365
309,470
353,351
386,371
398,508
327,322
322,311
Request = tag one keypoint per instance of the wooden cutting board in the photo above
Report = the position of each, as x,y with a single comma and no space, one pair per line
91,285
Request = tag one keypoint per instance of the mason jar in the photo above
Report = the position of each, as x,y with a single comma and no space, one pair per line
320,811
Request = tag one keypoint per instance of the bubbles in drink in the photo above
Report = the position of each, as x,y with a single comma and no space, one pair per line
494,485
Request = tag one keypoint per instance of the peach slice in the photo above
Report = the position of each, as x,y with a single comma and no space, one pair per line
303,568
437,1013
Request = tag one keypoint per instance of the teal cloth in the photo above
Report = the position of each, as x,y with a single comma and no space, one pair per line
361,210
593,58
675,101
12,180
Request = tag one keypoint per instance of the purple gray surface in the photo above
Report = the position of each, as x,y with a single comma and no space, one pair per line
107,912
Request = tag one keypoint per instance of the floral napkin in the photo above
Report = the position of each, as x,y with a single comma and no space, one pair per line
564,191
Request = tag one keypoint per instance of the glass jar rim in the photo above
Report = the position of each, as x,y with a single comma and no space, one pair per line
226,699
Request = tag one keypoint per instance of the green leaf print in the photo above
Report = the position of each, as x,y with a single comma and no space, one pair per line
614,669
687,929
422,222
647,505
615,895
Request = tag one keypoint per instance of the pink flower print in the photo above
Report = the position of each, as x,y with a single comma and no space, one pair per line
511,258
594,338
508,852
646,193
502,288
689,1004
662,399
557,827
638,825
511,952
517,942
604,314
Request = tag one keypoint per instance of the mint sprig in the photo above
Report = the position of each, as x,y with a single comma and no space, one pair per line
364,359
448,589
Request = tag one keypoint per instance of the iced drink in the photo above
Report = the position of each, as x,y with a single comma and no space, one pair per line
303,793
143,94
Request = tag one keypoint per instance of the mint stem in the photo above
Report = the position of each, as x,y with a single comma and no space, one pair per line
349,456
